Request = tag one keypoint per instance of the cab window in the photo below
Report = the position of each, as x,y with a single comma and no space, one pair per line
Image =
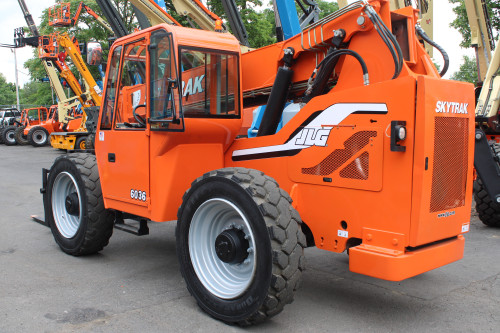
210,83
165,98
109,99
131,104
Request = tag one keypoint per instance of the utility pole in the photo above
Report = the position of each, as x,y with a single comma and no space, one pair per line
17,81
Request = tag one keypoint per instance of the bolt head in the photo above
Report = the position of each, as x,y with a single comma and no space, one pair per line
478,136
498,199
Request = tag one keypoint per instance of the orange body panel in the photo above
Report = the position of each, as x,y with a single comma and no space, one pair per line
404,211
51,124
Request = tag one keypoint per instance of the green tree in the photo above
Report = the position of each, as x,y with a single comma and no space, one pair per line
36,93
7,91
461,22
260,23
468,69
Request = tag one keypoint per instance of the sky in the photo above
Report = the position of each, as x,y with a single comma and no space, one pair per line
11,17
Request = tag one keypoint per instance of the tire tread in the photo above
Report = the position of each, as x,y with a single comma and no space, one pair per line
287,240
487,210
99,220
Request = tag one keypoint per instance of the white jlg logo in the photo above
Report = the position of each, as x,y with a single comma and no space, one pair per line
451,107
313,137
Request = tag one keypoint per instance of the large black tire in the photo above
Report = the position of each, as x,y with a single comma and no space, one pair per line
8,135
80,143
89,142
21,139
256,212
38,136
487,210
74,207
1,138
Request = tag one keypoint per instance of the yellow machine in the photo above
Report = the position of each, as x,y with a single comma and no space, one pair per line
91,97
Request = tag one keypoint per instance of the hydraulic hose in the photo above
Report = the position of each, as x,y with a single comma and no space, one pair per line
424,36
338,53
388,38
317,85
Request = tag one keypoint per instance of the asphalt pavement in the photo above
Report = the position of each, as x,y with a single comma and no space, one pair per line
134,284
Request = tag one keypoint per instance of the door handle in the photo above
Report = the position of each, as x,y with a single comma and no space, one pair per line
111,157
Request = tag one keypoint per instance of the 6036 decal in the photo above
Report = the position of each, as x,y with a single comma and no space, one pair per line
138,195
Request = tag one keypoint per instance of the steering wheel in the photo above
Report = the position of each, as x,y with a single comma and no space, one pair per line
140,119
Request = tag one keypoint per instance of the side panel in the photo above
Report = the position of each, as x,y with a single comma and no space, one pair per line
340,170
444,150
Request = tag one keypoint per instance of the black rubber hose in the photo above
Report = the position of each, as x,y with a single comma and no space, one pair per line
388,39
395,45
338,53
320,81
446,59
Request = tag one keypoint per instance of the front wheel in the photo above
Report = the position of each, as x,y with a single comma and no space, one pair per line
240,245
80,143
38,136
8,135
74,208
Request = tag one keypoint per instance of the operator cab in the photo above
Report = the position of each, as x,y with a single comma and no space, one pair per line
164,84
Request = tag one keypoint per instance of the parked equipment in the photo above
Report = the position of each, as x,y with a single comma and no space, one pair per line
14,134
376,159
486,159
60,15
8,117
39,135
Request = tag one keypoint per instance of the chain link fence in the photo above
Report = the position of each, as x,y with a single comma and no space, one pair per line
22,106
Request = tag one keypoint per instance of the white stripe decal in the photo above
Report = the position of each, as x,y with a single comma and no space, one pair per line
316,133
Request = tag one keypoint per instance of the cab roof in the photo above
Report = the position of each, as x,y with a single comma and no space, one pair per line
193,37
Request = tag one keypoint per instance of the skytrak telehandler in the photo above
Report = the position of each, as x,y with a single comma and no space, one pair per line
375,157
38,134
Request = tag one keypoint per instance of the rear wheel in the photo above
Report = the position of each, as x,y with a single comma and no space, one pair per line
240,245
8,135
21,139
38,136
74,208
487,210
80,143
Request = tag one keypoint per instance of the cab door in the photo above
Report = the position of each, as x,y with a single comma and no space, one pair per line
122,141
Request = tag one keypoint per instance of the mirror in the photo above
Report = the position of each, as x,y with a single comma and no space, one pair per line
94,53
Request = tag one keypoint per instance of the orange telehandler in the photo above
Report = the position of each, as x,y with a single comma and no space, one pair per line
38,134
374,156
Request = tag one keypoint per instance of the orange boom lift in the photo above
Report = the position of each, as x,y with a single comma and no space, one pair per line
375,157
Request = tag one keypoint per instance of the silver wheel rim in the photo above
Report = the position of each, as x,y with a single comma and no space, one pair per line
10,136
39,137
64,185
226,281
